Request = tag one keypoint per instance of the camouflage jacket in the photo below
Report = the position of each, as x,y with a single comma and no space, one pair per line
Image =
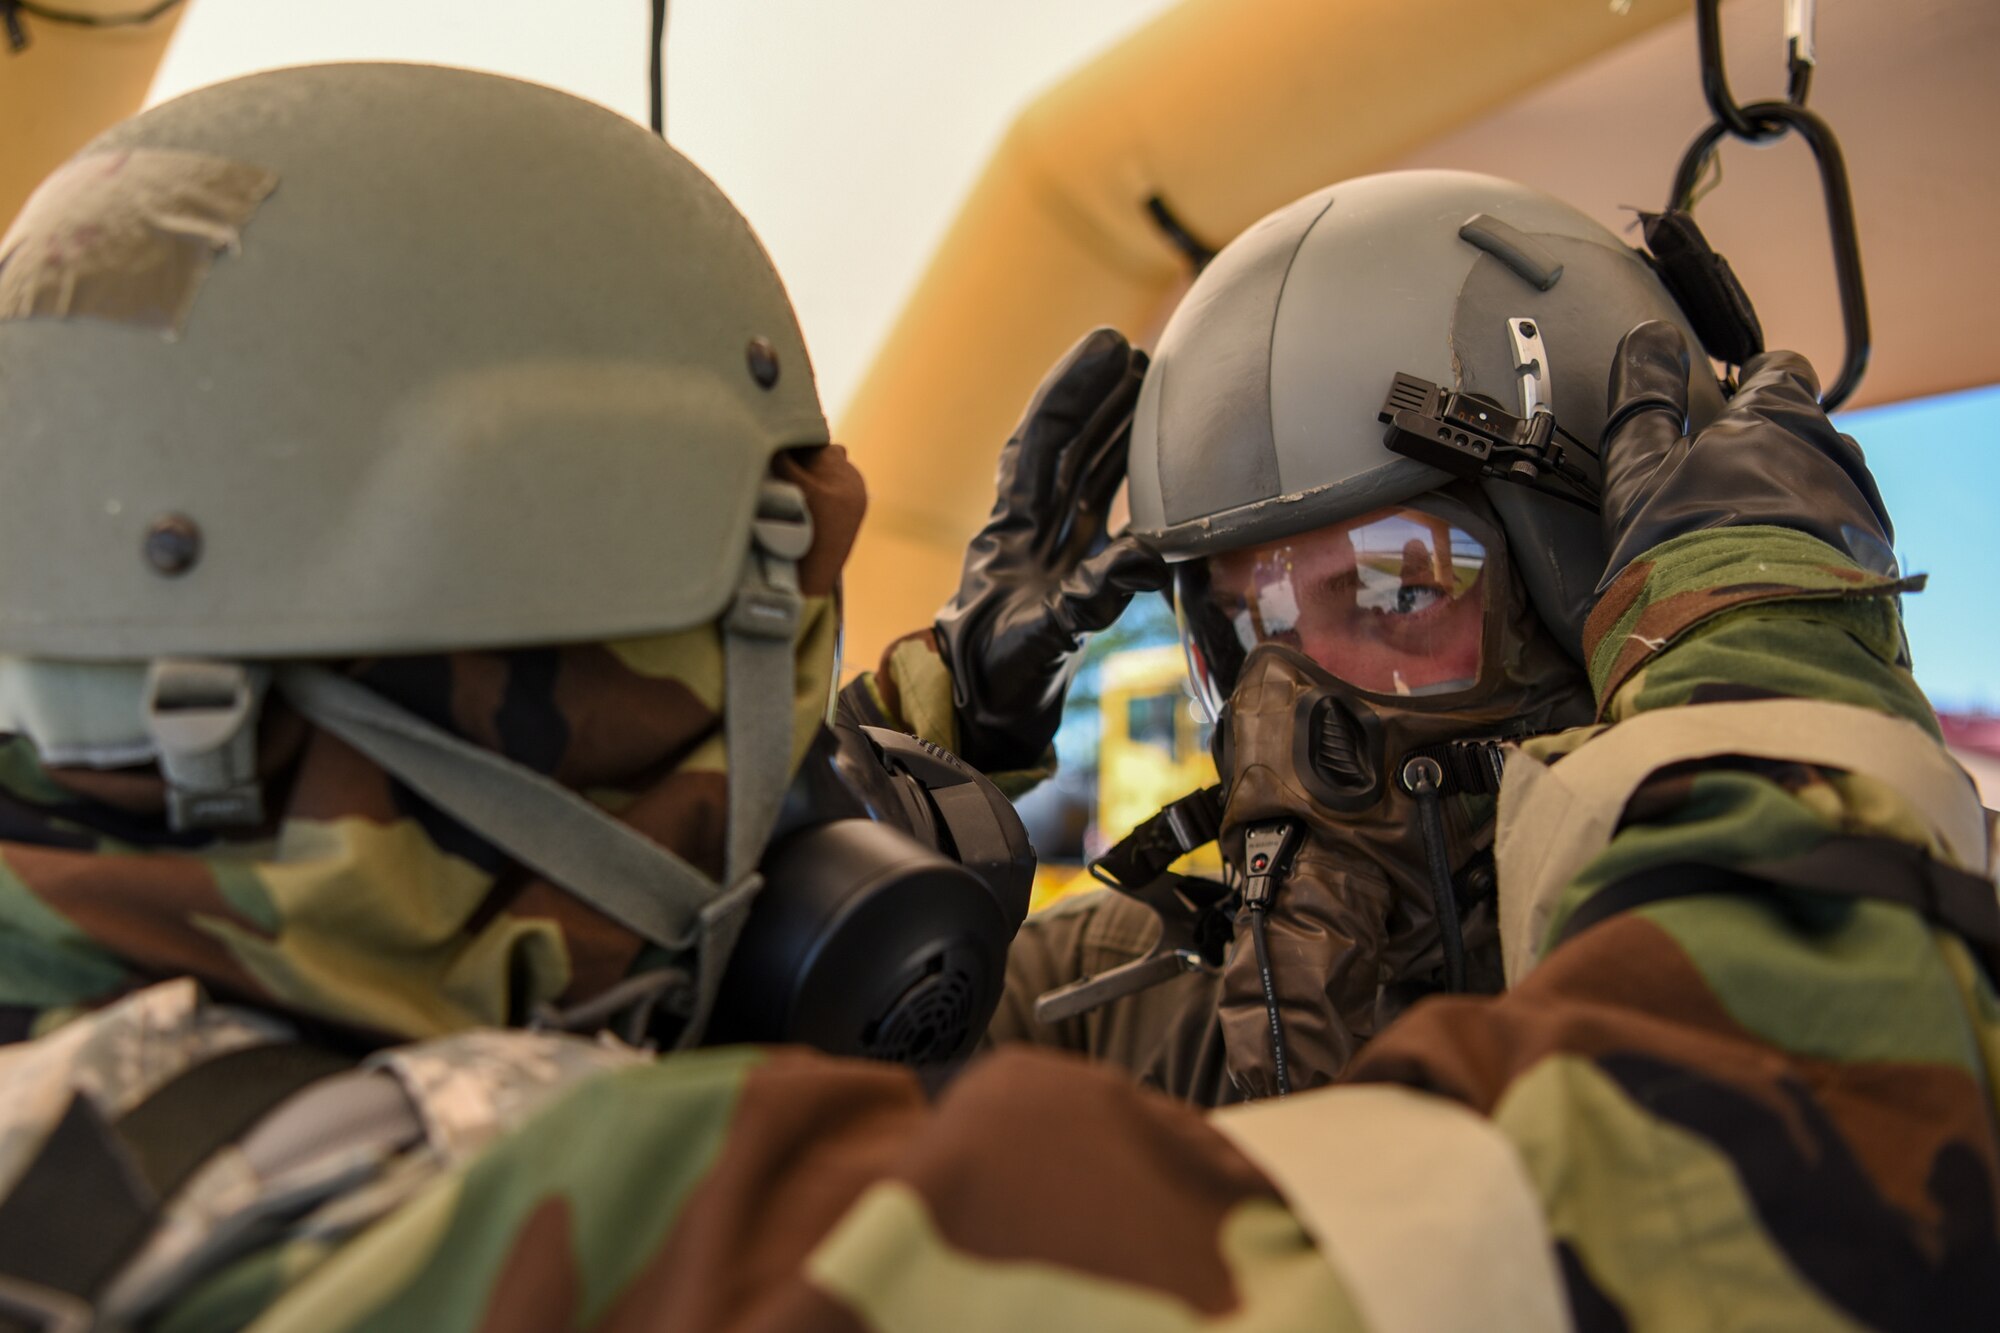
1736,1108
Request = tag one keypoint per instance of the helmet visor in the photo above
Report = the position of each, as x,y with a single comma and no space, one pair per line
1393,603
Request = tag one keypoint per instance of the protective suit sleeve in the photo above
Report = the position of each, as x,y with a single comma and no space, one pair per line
1165,1034
1746,616
1676,625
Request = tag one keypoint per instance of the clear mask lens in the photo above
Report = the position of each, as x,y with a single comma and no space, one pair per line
1393,602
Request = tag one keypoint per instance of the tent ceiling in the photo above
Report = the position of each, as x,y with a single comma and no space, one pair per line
1909,88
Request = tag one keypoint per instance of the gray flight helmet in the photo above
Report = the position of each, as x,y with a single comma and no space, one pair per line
1258,418
382,359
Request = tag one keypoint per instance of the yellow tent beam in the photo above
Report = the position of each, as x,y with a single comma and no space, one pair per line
1223,110
71,82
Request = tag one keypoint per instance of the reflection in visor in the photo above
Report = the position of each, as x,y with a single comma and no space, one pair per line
1392,602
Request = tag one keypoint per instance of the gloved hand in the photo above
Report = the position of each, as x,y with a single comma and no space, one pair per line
1771,456
1041,574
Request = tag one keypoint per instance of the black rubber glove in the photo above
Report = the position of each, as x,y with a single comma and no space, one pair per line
1041,575
1771,456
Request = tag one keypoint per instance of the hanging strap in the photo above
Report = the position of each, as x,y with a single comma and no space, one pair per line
1555,817
95,1191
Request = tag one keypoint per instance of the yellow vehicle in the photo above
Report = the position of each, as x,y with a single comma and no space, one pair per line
1154,746
1152,749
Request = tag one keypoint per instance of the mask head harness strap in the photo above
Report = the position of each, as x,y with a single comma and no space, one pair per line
1144,854
1193,912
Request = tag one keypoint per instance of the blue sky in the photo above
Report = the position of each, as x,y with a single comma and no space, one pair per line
1937,461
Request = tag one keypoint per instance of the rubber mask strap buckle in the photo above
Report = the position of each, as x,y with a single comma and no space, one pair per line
202,719
767,602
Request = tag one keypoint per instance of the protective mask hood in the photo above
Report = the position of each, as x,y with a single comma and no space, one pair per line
1354,929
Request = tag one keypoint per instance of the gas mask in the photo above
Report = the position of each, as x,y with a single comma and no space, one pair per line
894,882
1362,675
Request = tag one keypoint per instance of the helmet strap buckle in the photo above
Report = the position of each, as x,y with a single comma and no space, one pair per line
202,719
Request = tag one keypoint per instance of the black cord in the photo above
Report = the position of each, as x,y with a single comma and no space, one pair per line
1284,1078
137,18
1196,251
1584,500
1267,858
658,85
636,997
1576,443
1437,857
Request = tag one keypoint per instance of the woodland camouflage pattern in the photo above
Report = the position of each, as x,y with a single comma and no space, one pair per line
1777,1112
1770,1112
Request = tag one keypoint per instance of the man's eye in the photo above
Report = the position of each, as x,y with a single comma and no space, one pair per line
1413,597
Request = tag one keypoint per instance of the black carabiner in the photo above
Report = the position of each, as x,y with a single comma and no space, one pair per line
1715,77
1786,116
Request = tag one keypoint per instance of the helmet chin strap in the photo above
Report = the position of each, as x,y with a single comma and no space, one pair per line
627,876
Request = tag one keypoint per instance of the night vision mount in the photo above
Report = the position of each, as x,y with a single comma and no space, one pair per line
1472,436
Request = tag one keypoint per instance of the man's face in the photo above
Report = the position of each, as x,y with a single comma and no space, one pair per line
1392,602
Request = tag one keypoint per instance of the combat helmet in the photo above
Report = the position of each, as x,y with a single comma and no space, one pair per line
1436,295
364,361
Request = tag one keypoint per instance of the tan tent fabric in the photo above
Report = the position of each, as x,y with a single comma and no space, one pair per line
69,84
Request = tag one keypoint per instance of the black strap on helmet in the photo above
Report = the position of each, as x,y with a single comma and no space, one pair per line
1703,285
